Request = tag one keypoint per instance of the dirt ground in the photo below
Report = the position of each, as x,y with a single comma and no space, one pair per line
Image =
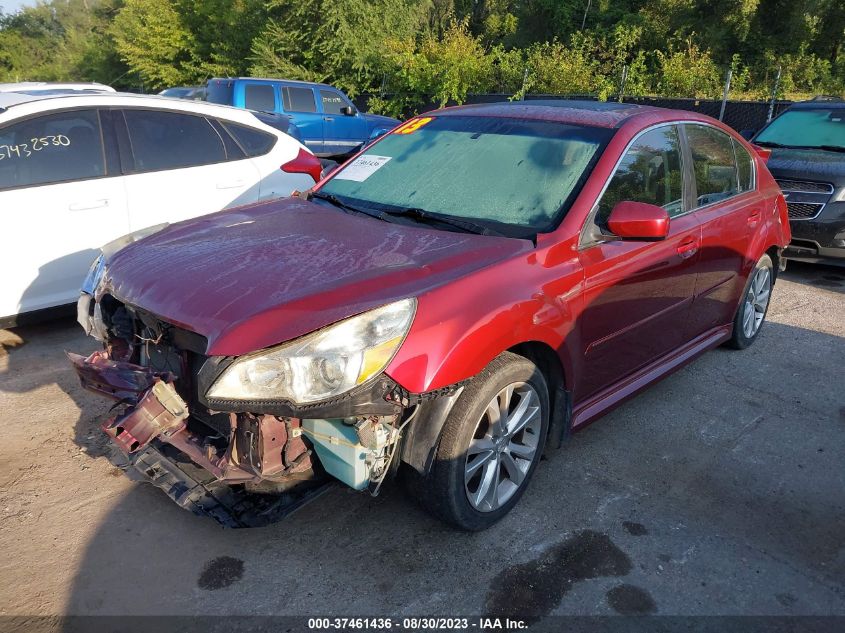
720,490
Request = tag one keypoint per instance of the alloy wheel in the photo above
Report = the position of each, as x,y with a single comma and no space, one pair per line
504,445
756,302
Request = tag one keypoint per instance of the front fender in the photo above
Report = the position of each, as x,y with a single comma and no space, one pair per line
458,330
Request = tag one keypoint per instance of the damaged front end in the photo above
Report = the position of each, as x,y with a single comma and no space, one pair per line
243,463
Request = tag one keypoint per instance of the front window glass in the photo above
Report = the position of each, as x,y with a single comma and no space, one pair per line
714,164
650,172
507,172
53,148
818,127
332,102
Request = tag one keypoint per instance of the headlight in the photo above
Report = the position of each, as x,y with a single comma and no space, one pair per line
115,245
841,196
321,365
95,274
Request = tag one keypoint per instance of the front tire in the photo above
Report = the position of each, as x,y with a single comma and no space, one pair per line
753,305
490,445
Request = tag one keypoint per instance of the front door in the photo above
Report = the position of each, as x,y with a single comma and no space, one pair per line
638,294
343,133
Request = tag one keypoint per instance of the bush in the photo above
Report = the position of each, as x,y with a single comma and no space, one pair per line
690,72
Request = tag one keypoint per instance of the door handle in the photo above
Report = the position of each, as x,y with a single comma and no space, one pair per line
688,248
231,184
88,204
754,217
328,118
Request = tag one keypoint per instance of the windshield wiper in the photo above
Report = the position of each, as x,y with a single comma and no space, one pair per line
340,204
828,148
423,216
831,148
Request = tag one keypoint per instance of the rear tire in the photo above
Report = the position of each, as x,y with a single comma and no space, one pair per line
490,445
753,305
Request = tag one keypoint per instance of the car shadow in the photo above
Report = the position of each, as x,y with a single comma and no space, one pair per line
28,370
825,276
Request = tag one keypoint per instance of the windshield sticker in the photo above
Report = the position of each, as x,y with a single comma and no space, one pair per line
25,150
362,167
413,125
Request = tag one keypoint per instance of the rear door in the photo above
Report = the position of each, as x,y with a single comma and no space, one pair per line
181,165
729,209
61,199
638,294
343,132
300,101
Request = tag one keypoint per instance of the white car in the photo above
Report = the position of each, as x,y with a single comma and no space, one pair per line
80,170
54,86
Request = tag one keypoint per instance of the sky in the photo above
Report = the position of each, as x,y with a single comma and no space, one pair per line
10,6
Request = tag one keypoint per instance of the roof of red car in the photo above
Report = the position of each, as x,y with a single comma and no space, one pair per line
596,113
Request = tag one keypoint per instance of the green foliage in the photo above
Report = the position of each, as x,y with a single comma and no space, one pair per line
344,42
409,53
689,72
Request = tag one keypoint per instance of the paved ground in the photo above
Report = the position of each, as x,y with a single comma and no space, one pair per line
719,491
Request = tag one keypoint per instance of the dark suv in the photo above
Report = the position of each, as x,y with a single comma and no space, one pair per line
808,162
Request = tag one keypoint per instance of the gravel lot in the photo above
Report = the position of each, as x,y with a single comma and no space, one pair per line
720,490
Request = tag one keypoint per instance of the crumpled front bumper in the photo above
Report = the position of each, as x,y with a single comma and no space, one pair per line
152,432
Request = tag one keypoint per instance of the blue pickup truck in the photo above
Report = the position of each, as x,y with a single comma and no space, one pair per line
329,124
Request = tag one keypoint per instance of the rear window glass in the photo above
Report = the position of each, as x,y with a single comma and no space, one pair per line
744,167
172,140
220,92
58,147
259,97
298,99
714,164
254,142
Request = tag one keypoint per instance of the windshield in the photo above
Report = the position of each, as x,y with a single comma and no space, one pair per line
806,128
501,172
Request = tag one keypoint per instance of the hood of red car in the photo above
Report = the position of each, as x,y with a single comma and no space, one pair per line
256,276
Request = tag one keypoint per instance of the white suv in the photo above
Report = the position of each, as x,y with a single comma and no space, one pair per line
80,170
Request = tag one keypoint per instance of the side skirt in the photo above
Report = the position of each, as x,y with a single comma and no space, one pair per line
611,397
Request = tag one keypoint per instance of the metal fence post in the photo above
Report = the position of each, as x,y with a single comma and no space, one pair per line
774,95
524,82
728,77
622,83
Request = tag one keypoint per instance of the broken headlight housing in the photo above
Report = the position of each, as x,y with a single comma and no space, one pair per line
321,365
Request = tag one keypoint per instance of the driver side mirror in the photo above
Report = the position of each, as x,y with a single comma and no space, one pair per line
638,221
347,111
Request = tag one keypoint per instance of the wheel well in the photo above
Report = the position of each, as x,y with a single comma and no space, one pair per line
549,364
545,358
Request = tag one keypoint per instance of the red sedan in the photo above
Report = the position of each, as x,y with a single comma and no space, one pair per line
451,303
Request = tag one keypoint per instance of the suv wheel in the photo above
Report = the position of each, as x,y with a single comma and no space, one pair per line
754,304
490,445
